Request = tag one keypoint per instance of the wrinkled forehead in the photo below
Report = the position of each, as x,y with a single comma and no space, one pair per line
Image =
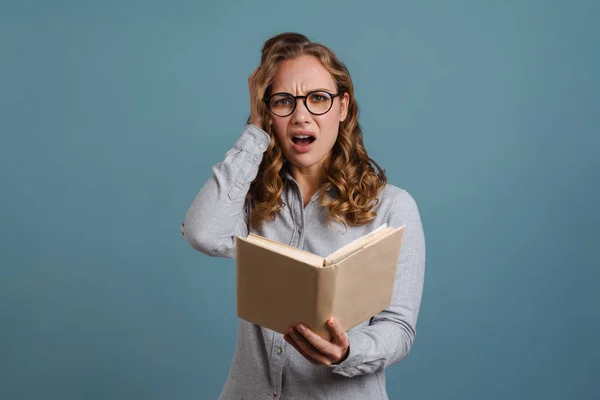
302,75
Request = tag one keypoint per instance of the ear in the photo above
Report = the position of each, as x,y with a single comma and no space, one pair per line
344,102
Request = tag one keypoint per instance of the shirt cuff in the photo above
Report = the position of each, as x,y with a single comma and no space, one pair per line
354,350
357,363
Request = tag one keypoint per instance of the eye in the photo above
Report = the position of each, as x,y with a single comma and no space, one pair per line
282,102
319,97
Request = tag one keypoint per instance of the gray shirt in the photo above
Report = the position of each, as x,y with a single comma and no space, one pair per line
264,365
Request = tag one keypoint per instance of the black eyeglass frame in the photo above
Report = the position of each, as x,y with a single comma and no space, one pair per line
267,101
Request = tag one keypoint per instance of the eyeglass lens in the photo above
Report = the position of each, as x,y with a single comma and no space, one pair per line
316,102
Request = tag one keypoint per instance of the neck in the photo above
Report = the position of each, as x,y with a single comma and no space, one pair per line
310,178
309,183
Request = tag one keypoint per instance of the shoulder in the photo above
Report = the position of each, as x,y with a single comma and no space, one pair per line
397,205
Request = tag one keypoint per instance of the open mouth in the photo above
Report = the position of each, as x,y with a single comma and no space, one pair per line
303,140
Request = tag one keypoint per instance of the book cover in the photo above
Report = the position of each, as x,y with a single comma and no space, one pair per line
278,286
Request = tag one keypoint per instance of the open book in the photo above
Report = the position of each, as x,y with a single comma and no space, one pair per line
279,286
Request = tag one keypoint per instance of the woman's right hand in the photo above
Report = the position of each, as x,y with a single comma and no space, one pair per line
255,118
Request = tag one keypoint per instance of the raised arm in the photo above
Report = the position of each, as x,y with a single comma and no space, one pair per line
219,210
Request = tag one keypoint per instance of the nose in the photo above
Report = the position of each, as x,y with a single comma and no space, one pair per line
301,113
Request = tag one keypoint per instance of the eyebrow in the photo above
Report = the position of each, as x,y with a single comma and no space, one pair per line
311,90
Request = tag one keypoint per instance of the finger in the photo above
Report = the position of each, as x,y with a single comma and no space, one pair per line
320,344
339,336
291,341
308,348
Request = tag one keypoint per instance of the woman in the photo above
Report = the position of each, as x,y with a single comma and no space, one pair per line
299,174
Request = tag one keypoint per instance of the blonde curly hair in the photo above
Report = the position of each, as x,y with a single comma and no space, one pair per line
348,168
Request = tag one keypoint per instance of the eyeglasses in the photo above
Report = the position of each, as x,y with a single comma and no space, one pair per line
317,103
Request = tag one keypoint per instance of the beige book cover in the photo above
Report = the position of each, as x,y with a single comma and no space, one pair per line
279,286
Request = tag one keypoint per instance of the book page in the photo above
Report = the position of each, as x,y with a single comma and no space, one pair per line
292,252
353,246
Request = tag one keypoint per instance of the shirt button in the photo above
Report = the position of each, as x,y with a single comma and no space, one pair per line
275,394
279,350
299,230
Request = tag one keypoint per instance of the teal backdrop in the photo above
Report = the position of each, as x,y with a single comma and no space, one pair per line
114,112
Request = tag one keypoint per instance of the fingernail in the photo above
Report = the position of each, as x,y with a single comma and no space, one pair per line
301,328
331,322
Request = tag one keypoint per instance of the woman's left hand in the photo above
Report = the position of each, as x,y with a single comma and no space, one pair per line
316,349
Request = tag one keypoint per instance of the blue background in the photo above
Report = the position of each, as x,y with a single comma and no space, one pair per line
113,112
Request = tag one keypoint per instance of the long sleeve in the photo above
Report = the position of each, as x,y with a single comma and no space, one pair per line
390,334
219,210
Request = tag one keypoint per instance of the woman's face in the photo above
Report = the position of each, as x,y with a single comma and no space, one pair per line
298,77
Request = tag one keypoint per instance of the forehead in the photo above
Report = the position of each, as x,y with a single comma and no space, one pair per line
299,75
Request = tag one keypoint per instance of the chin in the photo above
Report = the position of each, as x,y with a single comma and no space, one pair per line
305,160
